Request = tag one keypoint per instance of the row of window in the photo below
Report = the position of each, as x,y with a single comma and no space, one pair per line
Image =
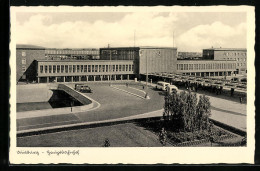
205,66
237,59
119,55
241,64
234,54
86,51
84,68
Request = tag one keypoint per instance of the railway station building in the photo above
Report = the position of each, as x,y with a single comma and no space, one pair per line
39,64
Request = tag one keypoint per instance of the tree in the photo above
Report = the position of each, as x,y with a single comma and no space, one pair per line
185,112
203,112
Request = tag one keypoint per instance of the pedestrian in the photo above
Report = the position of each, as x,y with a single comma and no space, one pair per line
232,92
241,99
163,137
106,143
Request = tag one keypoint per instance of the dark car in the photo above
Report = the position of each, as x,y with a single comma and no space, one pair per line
83,88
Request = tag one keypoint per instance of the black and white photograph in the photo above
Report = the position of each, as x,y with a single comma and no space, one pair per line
139,85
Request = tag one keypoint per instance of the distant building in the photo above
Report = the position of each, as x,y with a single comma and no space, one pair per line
26,56
238,55
189,55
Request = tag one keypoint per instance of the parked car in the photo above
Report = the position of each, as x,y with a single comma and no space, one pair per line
83,88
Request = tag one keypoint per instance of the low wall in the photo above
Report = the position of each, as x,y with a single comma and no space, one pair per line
77,95
30,93
87,104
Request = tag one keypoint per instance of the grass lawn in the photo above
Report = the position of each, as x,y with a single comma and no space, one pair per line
121,135
32,106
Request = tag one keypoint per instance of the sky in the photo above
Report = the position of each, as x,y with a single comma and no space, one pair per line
188,31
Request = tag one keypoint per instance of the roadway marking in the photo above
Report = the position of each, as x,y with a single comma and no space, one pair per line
138,90
127,92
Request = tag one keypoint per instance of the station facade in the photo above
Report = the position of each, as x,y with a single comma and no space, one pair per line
40,64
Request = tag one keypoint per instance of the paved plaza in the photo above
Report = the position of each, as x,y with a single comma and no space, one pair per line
127,106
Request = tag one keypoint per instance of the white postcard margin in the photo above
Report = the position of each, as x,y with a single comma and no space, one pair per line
144,155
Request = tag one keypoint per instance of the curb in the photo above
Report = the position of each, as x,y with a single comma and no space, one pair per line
79,126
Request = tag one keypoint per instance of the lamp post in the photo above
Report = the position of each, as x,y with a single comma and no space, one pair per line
226,70
110,66
146,95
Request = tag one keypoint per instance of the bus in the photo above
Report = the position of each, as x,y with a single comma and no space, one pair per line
162,85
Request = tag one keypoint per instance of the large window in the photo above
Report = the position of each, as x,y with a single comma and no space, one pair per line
78,69
190,66
62,68
116,68
74,68
85,68
185,66
106,68
103,68
46,68
181,66
50,68
58,68
132,67
54,68
196,66
123,68
100,68
120,67
66,68
93,68
89,68
41,69
70,68
96,68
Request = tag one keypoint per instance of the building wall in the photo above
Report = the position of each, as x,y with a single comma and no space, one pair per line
83,68
158,60
208,54
238,55
122,53
25,65
188,66
63,54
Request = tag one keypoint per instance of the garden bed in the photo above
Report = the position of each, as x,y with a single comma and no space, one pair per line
180,138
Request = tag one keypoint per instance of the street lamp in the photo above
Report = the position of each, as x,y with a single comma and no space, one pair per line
146,95
110,67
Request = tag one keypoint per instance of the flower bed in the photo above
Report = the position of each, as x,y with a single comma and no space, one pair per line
179,138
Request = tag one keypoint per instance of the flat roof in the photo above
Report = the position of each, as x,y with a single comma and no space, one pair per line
141,47
226,49
23,46
44,60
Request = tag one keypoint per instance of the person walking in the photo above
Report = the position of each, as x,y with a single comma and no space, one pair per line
106,143
163,137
